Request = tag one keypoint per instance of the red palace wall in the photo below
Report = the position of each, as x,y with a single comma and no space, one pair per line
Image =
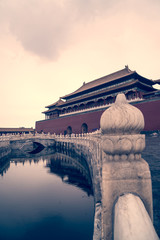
150,110
151,113
59,125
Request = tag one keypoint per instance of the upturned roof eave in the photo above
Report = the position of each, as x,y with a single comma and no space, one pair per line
51,110
156,91
145,80
157,81
58,103
148,87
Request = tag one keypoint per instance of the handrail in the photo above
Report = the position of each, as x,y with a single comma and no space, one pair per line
131,220
10,137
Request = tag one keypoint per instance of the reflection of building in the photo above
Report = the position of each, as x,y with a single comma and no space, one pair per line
4,166
81,110
16,130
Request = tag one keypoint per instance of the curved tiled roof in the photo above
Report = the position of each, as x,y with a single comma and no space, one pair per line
103,91
157,81
90,89
92,94
56,104
106,79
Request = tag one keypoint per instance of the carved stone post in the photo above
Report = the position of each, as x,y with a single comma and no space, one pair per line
123,169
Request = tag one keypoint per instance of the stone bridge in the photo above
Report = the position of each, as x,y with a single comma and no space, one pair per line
25,145
121,179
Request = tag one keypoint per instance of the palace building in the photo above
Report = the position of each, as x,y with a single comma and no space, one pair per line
20,130
80,111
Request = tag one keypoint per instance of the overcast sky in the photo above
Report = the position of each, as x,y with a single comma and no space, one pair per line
48,48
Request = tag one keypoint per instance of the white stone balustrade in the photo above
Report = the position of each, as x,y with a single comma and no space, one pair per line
131,220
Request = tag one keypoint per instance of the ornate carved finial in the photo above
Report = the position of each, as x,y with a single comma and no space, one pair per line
120,127
122,118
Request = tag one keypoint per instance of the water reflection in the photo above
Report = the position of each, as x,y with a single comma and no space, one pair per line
45,198
71,171
4,166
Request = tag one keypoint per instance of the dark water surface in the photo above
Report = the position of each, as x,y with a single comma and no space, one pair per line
36,203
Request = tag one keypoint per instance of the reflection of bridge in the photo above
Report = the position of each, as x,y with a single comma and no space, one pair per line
120,178
72,171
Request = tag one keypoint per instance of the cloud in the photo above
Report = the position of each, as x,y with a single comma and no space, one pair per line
45,28
39,26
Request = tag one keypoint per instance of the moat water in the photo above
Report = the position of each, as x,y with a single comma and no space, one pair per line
152,155
37,202
48,198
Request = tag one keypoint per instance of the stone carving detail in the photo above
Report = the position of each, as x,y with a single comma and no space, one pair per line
120,125
124,144
122,118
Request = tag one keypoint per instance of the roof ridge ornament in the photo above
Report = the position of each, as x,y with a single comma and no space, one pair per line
127,68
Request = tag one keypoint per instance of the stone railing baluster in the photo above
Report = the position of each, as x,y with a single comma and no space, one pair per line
123,169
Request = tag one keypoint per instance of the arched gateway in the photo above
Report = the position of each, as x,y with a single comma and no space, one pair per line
69,130
84,128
